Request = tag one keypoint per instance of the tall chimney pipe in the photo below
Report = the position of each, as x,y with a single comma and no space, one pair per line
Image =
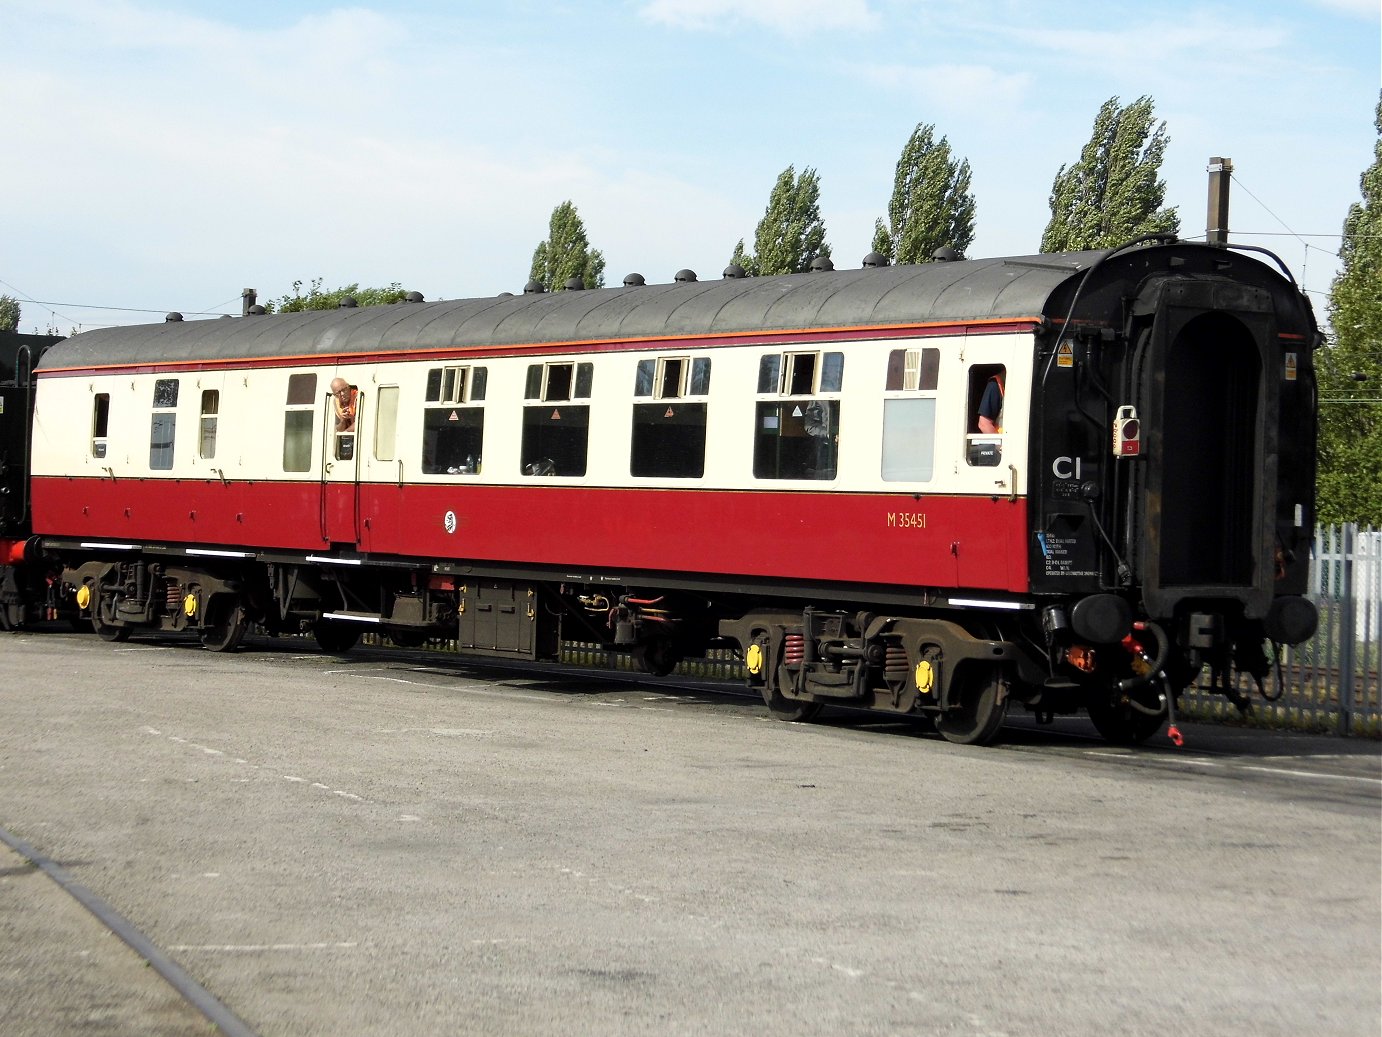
1216,225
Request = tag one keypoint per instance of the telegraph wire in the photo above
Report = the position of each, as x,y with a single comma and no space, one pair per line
124,309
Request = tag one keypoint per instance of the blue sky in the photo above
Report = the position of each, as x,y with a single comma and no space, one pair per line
164,155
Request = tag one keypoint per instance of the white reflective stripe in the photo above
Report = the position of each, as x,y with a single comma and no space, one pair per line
1013,606
219,554
346,616
113,547
335,561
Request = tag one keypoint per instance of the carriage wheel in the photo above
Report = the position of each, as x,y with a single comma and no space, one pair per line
227,631
657,656
1120,723
107,631
335,637
404,637
781,708
983,704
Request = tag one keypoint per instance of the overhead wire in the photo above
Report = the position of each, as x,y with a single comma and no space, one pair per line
54,312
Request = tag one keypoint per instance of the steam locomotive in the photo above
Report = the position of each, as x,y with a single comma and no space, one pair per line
1067,482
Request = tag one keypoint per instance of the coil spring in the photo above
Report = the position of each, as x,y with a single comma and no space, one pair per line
794,649
173,600
895,663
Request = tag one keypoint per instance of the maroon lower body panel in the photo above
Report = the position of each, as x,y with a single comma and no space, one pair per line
940,541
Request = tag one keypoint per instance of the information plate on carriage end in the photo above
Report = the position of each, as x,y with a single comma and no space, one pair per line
1067,547
1065,489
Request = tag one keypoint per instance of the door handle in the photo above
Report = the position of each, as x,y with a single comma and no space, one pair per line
328,467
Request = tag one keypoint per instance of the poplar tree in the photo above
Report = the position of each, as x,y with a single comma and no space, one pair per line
567,253
9,313
791,232
931,205
1350,370
1112,194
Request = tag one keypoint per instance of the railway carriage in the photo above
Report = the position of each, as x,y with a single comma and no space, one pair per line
813,468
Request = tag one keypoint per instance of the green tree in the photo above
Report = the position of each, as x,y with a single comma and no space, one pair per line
1112,193
567,253
9,313
791,232
1350,370
316,299
931,205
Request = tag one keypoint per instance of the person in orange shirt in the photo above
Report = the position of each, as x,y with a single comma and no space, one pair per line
343,396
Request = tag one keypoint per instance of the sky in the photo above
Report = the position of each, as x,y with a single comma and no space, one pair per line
163,156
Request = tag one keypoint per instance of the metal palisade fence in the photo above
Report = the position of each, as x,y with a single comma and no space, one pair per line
1330,682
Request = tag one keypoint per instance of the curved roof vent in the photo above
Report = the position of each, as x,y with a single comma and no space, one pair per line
945,254
255,311
822,263
413,297
734,271
533,287
634,281
173,318
685,276
875,259
505,295
347,303
575,284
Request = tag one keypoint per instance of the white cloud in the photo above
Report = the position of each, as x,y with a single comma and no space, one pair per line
791,17
978,90
1369,9
1151,43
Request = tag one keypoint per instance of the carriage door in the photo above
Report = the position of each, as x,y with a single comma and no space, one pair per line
1212,447
344,407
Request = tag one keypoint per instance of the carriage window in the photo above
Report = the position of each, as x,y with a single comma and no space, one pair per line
832,372
211,406
453,440
798,438
984,416
672,377
913,369
165,394
455,384
554,383
768,373
700,377
800,374
555,439
302,389
298,422
386,424
909,439
100,423
163,425
643,377
346,400
668,439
